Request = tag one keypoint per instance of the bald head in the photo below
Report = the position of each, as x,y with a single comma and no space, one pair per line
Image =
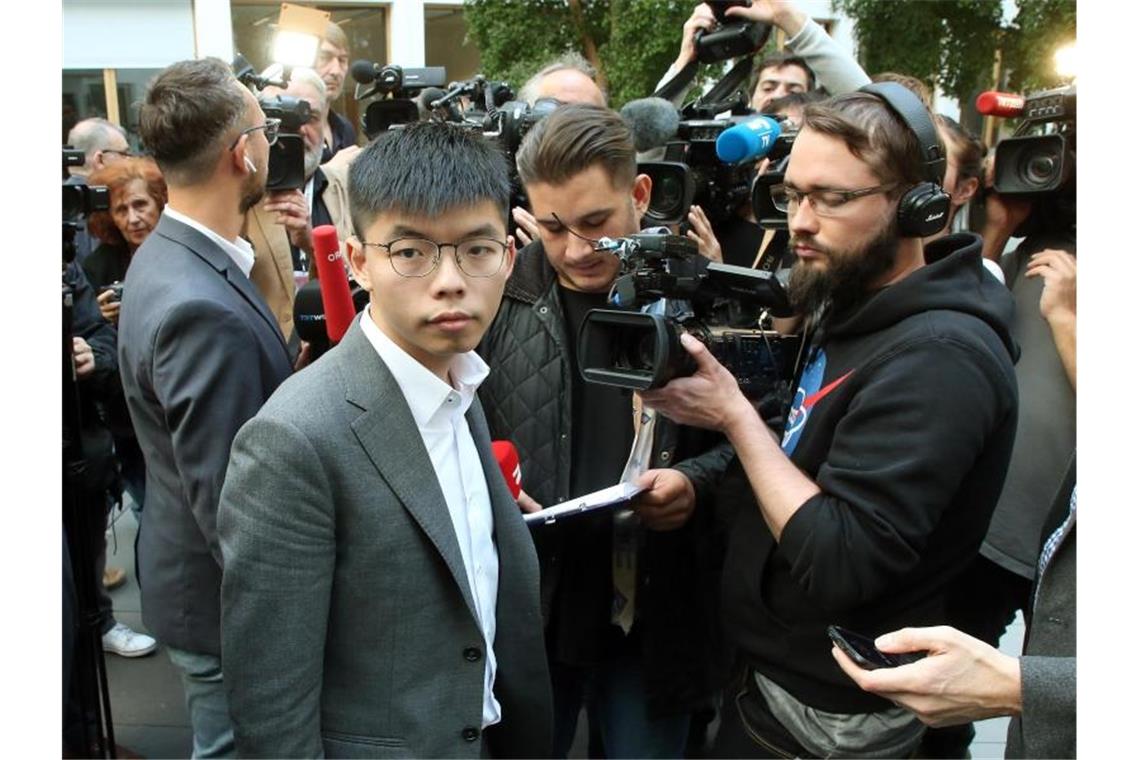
99,140
570,86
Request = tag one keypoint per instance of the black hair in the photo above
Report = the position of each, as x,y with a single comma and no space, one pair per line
779,61
426,169
793,100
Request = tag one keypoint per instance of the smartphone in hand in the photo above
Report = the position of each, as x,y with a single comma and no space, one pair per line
865,654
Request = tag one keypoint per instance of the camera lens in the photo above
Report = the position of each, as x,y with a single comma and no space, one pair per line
1039,169
669,194
646,351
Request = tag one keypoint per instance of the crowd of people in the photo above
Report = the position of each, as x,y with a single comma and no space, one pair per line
330,556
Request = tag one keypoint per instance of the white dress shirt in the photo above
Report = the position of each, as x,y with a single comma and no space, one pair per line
239,250
439,410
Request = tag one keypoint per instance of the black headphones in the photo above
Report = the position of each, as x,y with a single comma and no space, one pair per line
923,208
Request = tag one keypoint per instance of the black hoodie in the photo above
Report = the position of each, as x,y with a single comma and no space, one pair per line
905,418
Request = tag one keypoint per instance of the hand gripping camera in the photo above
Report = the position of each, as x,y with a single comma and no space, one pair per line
723,306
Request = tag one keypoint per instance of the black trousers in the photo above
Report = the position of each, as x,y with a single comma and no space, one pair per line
747,726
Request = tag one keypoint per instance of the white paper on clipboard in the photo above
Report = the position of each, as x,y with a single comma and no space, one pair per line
625,489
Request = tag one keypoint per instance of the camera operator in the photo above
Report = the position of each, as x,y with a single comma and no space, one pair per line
896,445
103,144
815,59
332,66
632,644
281,228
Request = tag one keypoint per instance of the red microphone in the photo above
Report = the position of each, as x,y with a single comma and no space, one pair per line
1003,104
508,458
335,296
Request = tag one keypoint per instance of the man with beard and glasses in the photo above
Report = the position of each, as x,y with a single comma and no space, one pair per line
895,448
281,227
199,353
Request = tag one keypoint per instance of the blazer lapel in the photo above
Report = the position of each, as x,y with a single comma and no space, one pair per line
210,252
277,253
388,434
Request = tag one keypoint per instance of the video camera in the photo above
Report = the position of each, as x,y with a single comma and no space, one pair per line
729,39
1041,164
397,87
287,155
78,201
723,306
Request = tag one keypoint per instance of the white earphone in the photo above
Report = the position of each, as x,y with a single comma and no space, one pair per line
250,165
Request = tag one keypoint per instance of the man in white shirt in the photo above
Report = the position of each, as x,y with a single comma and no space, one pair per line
380,594
199,352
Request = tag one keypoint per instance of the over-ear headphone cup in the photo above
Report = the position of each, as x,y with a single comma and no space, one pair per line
923,210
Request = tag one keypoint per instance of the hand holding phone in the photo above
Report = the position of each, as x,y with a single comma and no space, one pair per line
865,654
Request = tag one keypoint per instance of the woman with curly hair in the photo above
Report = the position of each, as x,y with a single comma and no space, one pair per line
138,195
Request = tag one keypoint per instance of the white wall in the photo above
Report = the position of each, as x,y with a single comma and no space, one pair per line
127,35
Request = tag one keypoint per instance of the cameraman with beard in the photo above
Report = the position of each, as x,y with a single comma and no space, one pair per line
281,228
896,446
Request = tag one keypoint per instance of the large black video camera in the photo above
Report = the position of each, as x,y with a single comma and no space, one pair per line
396,86
287,155
723,306
79,200
1042,164
729,39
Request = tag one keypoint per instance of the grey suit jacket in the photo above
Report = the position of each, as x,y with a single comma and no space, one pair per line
348,625
199,353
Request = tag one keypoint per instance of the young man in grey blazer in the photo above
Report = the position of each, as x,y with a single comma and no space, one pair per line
380,595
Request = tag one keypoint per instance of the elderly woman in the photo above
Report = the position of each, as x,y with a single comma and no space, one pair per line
138,195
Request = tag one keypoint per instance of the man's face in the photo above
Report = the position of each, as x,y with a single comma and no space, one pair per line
849,249
256,152
446,312
311,130
134,212
570,86
332,65
778,81
590,205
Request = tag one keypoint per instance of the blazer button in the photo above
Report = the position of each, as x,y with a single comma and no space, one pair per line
472,654
470,734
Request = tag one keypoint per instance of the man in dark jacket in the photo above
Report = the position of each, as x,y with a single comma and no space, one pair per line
628,628
896,446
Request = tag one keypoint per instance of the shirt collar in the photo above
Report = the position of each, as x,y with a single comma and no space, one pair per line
426,394
239,250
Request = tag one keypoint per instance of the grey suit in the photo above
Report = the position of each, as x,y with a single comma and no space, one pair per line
348,624
199,353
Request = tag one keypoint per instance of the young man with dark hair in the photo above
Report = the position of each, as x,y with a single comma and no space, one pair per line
896,445
381,591
199,352
626,629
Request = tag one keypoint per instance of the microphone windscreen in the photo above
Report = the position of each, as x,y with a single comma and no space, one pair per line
363,71
1002,104
335,292
508,458
653,122
747,141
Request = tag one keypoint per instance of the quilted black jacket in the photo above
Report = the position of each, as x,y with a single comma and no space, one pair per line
527,399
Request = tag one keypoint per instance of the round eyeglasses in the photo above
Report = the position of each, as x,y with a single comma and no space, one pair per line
418,257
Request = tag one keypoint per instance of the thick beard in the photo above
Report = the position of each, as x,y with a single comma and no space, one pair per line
848,277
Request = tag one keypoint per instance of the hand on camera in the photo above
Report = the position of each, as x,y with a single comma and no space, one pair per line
960,680
84,357
527,230
293,212
710,398
667,501
108,306
1059,271
702,234
702,18
784,14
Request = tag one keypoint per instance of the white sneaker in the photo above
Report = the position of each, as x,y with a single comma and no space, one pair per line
124,642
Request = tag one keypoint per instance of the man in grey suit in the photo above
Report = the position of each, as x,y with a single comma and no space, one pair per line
380,593
199,353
